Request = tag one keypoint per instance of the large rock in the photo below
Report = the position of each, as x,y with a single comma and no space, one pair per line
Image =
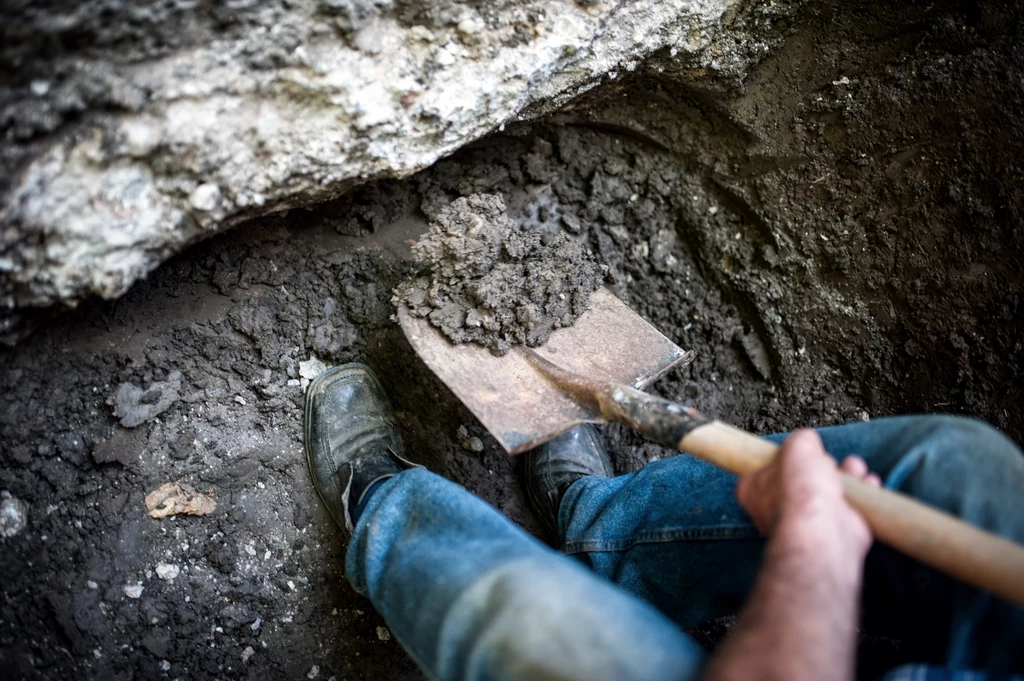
134,128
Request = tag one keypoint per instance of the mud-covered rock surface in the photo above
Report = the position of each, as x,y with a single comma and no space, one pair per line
494,282
837,240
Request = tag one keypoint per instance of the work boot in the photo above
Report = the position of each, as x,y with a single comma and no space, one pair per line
351,438
556,464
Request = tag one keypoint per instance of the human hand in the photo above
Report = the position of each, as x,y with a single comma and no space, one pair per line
799,497
801,619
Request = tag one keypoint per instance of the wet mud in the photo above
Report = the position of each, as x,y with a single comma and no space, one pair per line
836,239
491,281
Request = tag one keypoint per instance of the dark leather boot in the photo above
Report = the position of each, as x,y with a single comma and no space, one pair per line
556,464
351,438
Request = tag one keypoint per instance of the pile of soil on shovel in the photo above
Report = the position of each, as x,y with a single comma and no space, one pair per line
493,282
836,239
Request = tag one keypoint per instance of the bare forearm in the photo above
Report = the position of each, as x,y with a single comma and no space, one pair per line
800,622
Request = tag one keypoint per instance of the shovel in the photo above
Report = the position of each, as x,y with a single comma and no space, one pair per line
593,372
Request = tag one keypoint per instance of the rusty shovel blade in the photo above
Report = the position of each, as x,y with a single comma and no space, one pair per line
515,401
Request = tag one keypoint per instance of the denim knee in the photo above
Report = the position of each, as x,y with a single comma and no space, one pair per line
955,441
970,433
959,464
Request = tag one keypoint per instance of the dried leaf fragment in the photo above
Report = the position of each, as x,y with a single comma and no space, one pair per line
175,498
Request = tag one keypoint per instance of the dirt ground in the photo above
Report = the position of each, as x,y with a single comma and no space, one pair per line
837,239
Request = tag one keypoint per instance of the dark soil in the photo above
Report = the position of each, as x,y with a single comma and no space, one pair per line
494,282
837,239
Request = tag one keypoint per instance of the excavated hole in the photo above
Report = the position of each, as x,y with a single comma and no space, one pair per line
836,242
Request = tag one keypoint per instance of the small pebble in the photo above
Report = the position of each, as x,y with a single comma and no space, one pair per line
383,634
133,591
167,571
445,58
472,444
308,370
470,26
205,197
13,515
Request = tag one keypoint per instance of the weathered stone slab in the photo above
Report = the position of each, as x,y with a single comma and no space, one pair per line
157,124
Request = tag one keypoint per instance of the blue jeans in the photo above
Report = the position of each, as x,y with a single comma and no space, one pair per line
471,596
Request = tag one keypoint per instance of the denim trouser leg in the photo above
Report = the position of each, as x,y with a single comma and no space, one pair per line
674,535
471,596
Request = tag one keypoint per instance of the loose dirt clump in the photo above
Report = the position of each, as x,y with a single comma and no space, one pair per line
493,282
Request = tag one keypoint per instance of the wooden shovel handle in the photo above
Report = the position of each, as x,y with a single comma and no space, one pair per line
931,536
927,534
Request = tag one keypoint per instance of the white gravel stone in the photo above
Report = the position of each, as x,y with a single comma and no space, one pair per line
205,197
133,590
167,571
13,515
310,369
